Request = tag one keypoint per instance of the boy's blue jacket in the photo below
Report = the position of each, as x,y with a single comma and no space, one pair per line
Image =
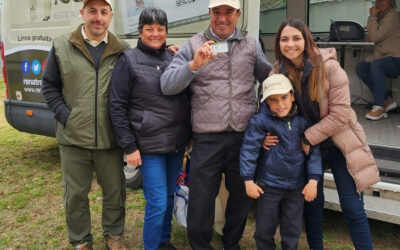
284,166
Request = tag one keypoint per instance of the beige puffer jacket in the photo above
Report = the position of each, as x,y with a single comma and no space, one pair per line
339,121
385,34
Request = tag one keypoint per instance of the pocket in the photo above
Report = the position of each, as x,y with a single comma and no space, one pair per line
79,125
136,119
153,123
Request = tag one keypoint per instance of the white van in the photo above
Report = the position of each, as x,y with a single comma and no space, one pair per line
29,26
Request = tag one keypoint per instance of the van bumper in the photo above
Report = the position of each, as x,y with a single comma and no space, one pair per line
30,117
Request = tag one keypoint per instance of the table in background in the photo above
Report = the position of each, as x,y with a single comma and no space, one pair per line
343,45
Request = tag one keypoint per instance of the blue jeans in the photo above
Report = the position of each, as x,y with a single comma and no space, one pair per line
159,172
351,202
374,73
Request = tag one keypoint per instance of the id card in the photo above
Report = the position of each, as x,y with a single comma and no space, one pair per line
219,47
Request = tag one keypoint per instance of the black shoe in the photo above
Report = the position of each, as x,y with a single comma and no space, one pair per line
166,246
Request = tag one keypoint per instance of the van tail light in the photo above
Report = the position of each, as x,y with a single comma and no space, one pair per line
4,70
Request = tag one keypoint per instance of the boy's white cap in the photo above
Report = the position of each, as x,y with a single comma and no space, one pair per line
275,84
107,2
233,3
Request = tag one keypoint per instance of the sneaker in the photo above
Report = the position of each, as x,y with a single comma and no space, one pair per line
166,246
84,246
115,243
389,104
376,113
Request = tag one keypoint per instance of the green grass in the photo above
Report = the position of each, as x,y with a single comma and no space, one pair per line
32,214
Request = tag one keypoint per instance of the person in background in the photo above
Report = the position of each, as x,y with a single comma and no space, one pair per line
139,7
223,100
322,94
276,177
75,87
384,30
153,129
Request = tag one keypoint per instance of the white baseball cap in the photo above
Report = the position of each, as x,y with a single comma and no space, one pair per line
107,2
275,84
233,3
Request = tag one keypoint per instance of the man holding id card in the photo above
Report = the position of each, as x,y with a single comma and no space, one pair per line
219,65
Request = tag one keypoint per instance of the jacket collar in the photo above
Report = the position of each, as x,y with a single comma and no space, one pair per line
308,67
148,50
94,43
113,45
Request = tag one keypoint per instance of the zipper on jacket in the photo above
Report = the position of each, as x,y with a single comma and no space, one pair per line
230,86
289,126
95,103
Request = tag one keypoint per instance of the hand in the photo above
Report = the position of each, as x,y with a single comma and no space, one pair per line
270,140
373,11
305,148
134,159
310,190
253,190
174,48
202,56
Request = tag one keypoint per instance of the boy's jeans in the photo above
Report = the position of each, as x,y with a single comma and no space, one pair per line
279,206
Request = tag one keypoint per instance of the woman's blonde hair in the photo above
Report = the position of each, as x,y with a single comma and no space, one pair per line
311,52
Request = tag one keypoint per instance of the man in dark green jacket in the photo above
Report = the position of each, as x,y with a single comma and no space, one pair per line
75,86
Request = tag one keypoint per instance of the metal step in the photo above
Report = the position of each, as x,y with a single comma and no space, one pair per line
375,207
388,161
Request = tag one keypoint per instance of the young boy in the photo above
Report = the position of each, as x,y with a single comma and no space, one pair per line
277,177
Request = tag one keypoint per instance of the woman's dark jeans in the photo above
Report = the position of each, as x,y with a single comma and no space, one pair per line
351,202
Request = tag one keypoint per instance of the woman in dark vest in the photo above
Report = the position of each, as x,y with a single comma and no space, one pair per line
153,129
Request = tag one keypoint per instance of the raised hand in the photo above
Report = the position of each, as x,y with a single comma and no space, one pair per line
202,56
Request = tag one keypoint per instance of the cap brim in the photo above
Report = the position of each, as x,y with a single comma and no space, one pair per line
106,1
216,5
276,92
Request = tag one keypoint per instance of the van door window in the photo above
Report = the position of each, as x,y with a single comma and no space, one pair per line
272,14
322,12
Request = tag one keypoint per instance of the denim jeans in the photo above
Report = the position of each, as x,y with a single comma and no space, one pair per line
351,202
279,206
374,73
159,172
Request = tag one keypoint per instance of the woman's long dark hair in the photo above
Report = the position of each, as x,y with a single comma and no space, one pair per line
311,52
